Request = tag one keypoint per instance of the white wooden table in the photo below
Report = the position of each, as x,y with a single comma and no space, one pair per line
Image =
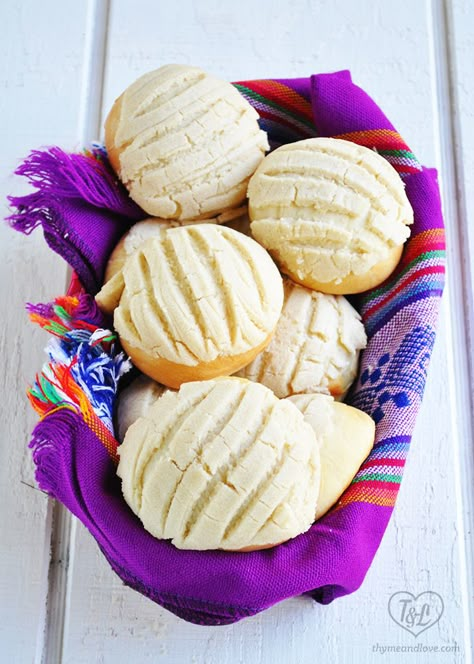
63,63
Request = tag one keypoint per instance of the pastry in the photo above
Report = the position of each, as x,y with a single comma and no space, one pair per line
133,238
334,215
221,464
184,143
315,347
196,302
143,230
346,437
134,401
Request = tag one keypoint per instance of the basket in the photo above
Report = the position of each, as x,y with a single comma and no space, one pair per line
83,211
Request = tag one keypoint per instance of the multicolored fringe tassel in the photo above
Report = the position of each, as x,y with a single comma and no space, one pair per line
84,367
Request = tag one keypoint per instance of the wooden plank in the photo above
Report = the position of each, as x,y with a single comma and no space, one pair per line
389,48
453,40
42,58
63,523
460,43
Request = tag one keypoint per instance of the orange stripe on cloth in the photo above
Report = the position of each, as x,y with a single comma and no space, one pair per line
91,419
103,434
285,96
368,492
387,139
422,242
78,402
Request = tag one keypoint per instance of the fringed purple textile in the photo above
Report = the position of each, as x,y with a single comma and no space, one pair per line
81,206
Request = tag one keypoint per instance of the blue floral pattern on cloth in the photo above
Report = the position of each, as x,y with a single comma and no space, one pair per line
396,378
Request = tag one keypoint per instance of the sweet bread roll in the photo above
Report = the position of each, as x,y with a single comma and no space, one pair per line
151,227
184,143
133,238
315,347
346,436
333,214
108,297
197,302
134,401
221,464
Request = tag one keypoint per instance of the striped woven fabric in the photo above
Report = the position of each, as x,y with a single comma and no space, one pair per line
390,145
285,113
420,274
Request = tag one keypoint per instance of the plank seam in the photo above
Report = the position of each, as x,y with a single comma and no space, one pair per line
458,302
51,642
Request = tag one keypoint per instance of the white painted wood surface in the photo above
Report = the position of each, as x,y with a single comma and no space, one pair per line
63,64
40,73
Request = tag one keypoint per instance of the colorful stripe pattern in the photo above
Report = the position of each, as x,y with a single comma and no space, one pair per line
378,480
83,369
285,114
420,274
390,145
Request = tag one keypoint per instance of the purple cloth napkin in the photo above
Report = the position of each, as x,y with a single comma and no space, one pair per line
80,205
332,558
